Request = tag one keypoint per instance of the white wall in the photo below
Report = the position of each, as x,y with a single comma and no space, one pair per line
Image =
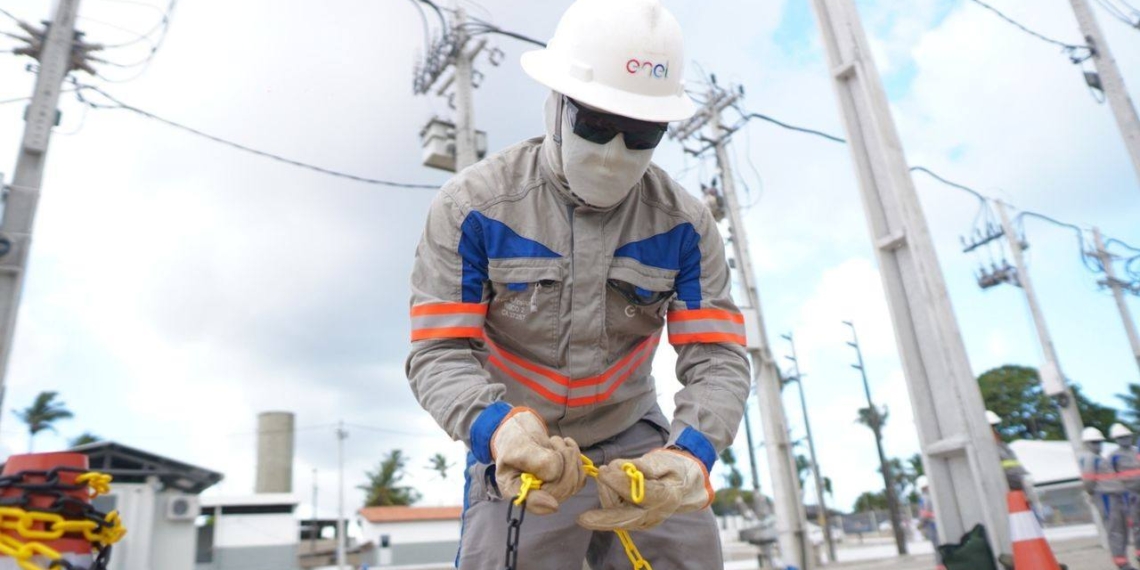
237,531
412,531
151,542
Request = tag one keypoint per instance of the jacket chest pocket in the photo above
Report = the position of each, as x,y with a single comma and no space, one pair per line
526,302
637,298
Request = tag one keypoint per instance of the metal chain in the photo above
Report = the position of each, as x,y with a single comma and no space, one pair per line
529,482
65,515
514,526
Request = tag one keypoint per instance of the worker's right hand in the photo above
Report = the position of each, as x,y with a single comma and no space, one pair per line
520,445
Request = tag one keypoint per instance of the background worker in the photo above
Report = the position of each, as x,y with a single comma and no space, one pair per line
1107,494
926,520
1126,466
1016,475
541,286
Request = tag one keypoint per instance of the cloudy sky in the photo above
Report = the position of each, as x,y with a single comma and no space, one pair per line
178,286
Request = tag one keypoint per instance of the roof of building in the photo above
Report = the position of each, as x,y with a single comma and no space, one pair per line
130,465
409,514
253,499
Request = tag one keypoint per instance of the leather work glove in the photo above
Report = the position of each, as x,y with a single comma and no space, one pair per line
675,482
520,445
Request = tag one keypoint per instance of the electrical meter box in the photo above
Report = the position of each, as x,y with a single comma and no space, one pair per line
438,142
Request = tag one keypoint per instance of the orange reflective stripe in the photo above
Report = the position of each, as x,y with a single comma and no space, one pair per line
449,309
539,388
698,314
707,338
525,364
587,400
601,378
447,332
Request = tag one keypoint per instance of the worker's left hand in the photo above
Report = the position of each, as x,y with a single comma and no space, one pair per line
675,482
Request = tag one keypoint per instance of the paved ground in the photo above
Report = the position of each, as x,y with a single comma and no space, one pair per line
1076,547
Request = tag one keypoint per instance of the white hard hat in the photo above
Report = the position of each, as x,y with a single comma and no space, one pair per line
1091,434
921,482
992,418
624,57
1119,430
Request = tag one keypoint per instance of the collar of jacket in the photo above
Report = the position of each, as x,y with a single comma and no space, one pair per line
550,164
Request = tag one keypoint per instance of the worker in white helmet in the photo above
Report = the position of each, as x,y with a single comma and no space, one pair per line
1126,467
1016,475
926,521
1107,492
541,287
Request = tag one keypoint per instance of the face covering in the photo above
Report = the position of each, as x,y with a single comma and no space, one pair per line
599,175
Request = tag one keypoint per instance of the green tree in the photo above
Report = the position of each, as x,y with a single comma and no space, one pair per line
84,439
873,418
871,501
383,488
1132,404
1014,393
439,464
42,414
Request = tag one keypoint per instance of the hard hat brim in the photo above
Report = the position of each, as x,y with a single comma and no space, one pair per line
543,67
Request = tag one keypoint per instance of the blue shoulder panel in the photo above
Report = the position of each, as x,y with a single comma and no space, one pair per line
677,249
484,238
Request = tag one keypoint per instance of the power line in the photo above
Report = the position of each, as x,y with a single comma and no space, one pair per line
1119,14
793,127
1071,49
10,16
121,105
484,28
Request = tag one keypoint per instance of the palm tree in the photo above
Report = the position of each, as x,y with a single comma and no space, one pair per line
383,487
439,464
43,412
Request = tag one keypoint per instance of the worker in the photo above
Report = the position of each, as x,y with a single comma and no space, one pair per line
541,286
1016,475
1107,493
926,522
1126,468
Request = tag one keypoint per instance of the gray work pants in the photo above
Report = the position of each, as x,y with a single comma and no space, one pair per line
1114,506
689,541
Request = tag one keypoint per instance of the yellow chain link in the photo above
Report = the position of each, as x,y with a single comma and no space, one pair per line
528,482
55,526
637,492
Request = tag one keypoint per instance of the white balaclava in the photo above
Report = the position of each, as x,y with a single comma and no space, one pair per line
598,175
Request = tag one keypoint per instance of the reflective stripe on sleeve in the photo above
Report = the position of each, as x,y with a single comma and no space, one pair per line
705,326
448,320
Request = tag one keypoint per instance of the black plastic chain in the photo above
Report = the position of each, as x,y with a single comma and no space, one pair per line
62,504
514,526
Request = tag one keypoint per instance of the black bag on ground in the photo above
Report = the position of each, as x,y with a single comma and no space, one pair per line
973,553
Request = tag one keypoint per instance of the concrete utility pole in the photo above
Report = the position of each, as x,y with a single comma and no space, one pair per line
822,516
1052,379
465,153
875,419
57,59
967,483
341,541
1118,287
790,518
1112,83
313,531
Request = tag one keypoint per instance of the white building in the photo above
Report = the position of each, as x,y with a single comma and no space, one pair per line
157,499
248,533
1057,478
412,535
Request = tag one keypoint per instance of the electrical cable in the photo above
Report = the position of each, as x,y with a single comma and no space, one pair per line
1070,49
163,28
426,26
438,12
497,30
120,105
10,16
793,127
1116,12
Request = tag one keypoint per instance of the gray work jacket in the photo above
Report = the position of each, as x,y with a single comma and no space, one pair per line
523,297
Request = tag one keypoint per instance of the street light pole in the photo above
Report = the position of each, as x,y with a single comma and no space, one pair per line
876,426
822,515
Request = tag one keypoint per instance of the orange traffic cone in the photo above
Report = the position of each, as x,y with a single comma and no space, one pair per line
1030,550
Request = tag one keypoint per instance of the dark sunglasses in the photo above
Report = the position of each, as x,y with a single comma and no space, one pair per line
601,128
